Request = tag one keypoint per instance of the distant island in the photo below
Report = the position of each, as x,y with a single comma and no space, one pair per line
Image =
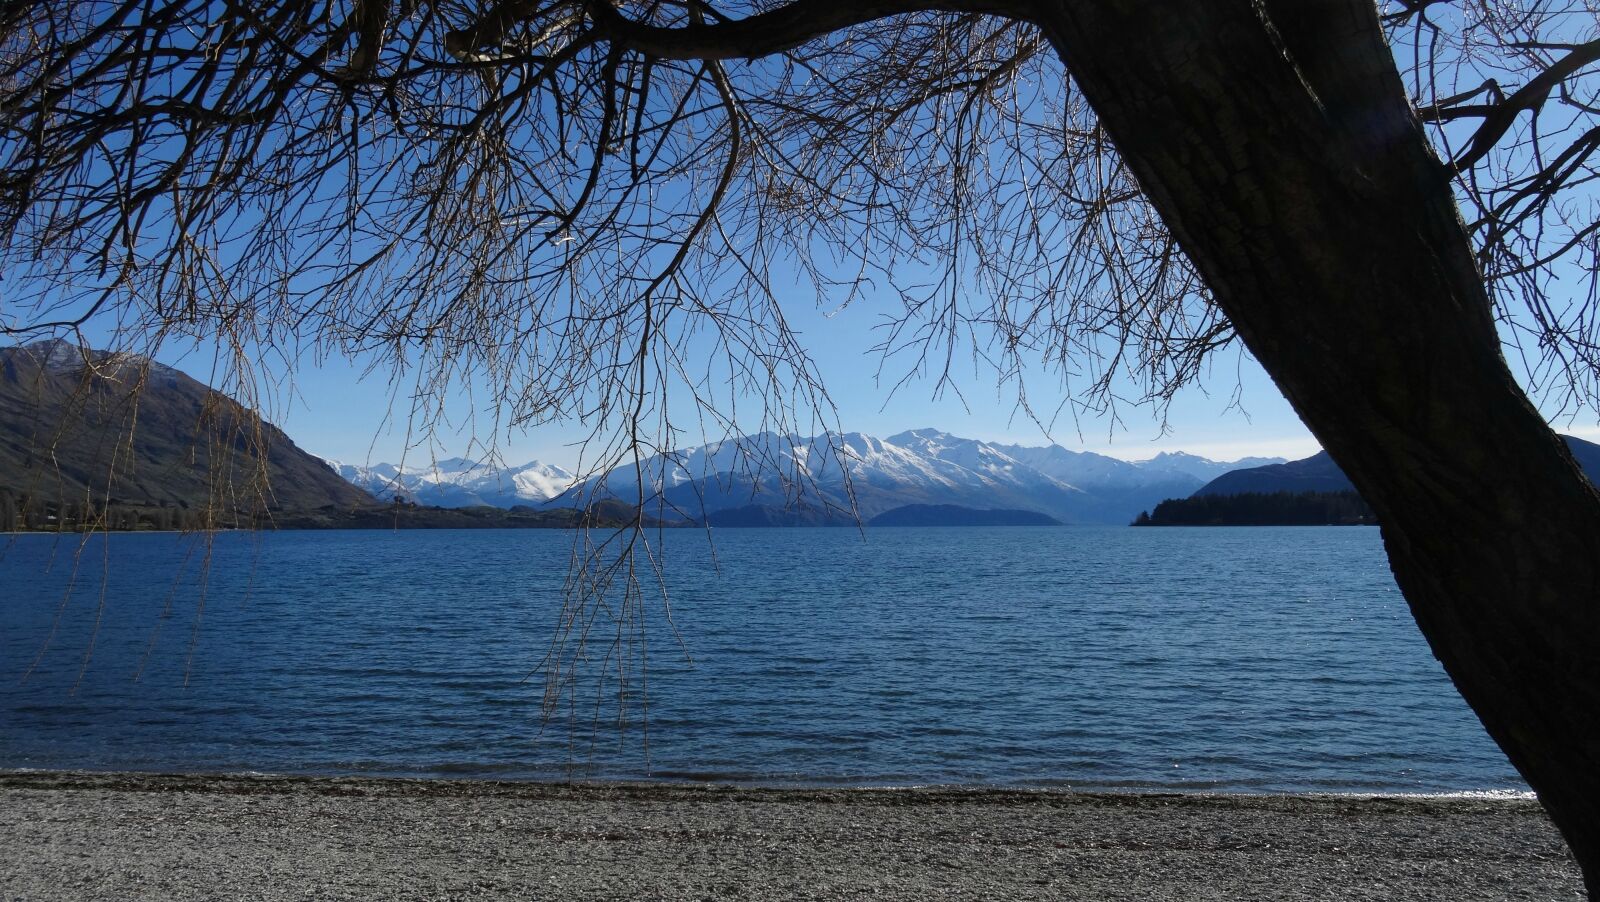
761,516
765,516
404,515
956,515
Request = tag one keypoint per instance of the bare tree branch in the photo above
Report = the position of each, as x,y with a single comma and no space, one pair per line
784,28
1498,121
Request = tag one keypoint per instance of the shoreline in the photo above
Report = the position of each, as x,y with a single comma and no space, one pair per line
89,835
66,776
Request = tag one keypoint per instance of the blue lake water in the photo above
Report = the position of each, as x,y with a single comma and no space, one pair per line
1219,659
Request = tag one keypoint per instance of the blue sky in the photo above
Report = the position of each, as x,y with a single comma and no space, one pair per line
330,408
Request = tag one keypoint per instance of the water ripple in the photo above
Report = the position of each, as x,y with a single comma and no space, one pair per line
1223,659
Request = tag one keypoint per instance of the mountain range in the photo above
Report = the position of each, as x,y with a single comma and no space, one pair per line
773,479
84,430
459,482
67,431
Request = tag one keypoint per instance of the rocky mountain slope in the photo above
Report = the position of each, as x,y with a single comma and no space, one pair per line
92,429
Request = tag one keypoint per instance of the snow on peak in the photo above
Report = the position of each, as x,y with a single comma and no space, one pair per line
916,466
59,355
541,482
1172,457
460,481
456,465
56,354
1199,467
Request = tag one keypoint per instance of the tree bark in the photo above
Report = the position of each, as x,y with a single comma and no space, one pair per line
1277,143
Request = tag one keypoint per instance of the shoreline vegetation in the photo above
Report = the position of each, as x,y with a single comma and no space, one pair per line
21,516
119,835
1282,508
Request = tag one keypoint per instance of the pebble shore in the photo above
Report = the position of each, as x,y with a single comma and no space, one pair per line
75,836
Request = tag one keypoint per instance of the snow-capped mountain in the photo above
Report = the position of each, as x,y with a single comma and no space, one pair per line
803,475
57,355
823,478
1200,467
1085,468
459,482
923,459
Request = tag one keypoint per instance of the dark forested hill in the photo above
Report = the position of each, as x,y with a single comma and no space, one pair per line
1317,473
1587,454
84,431
1301,492
1262,509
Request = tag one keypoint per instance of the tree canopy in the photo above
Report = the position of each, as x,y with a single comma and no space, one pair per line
594,204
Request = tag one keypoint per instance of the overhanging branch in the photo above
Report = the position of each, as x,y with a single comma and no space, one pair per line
763,34
1530,95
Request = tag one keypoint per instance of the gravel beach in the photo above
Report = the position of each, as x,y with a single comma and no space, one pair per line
124,836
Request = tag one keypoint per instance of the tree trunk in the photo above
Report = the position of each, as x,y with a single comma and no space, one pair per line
1276,141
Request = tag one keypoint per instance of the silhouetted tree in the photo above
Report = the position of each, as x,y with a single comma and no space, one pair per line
575,200
30,515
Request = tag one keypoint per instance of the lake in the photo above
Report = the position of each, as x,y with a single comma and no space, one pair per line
1227,659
